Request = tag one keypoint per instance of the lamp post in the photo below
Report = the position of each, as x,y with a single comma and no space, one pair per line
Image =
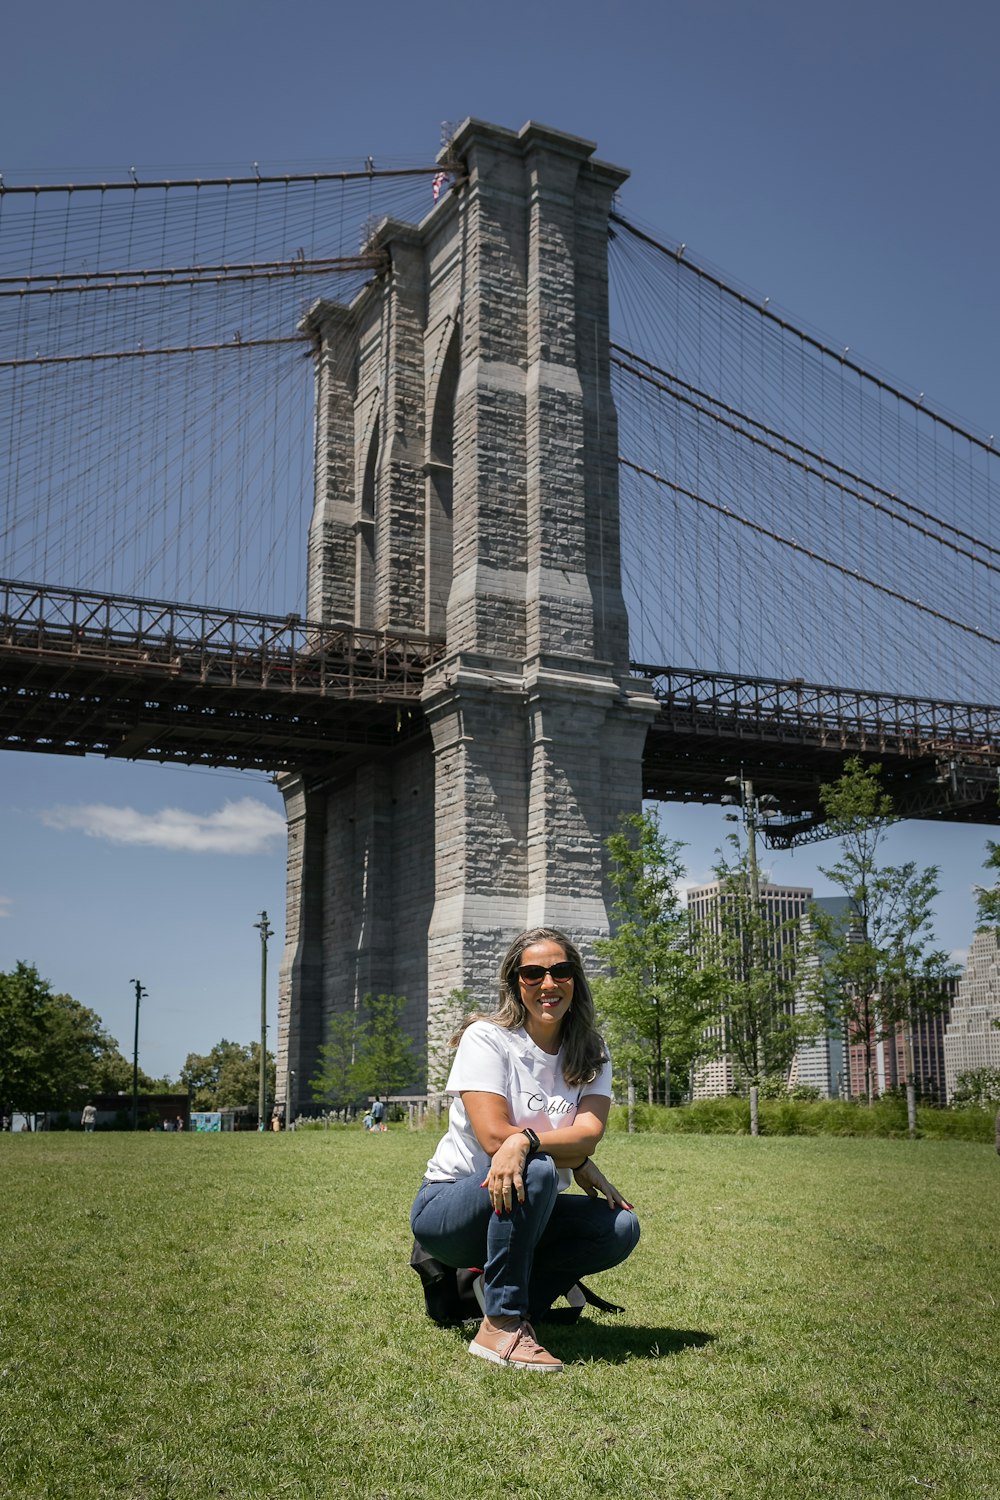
289,1078
264,928
140,990
754,811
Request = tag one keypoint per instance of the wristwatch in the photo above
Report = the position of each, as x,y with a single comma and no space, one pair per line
534,1144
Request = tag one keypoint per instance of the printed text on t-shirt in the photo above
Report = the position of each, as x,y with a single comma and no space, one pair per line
537,1103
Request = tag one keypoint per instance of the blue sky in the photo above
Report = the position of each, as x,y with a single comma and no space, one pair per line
839,159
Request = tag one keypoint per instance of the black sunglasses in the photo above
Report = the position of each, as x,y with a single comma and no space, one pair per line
535,973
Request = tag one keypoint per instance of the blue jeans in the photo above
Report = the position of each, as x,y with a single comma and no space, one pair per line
531,1255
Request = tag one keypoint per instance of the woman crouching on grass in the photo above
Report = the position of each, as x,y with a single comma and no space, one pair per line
532,1087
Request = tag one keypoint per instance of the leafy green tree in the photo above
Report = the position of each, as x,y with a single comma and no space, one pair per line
385,1062
334,1084
228,1077
656,1000
441,1027
114,1076
988,897
880,968
769,1005
53,1050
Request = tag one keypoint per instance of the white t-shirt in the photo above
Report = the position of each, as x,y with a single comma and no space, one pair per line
492,1060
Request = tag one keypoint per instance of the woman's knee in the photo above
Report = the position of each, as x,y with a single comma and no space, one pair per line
419,1203
627,1229
624,1235
541,1168
541,1177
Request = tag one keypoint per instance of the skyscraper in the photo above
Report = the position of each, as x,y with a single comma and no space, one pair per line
821,1062
783,906
971,1039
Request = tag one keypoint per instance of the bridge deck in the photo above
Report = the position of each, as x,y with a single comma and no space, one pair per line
939,760
146,679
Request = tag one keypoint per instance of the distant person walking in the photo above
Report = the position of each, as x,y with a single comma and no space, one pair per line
378,1114
89,1118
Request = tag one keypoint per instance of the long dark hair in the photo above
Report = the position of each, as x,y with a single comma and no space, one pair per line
581,1044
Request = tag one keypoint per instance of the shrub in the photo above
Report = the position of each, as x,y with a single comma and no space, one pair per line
978,1089
791,1116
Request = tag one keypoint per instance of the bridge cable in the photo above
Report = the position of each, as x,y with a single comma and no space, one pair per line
279,179
785,324
808,468
827,562
164,276
234,345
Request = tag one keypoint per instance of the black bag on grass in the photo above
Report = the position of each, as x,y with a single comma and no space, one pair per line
450,1300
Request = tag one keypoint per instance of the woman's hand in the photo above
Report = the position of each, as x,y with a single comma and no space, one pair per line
505,1179
594,1184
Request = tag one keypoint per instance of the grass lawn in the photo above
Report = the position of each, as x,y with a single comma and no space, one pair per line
186,1317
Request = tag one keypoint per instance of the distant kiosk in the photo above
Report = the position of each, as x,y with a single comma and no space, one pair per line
206,1120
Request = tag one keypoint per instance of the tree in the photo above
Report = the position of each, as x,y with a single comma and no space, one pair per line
228,1077
365,1053
988,897
769,1004
334,1083
384,1058
114,1076
53,1050
880,968
442,1026
657,1000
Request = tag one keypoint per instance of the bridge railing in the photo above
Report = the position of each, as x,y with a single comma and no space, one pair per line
118,632
792,708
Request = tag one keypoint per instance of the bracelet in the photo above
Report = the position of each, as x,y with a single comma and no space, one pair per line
581,1166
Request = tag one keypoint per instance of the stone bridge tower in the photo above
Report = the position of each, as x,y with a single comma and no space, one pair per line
467,486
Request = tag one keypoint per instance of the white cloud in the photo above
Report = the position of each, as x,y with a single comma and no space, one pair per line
243,827
959,956
5,906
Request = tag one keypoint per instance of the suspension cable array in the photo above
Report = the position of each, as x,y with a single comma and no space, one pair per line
785,511
156,392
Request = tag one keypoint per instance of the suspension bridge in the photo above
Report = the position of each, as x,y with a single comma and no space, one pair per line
359,421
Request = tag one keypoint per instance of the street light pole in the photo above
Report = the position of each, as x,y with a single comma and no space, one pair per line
264,927
750,819
139,992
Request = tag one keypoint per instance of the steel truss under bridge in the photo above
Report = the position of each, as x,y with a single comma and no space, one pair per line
146,679
938,760
152,680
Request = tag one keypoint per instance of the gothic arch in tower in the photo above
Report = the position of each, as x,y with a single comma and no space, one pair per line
440,494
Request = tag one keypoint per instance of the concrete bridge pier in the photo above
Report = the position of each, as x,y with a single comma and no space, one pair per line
467,485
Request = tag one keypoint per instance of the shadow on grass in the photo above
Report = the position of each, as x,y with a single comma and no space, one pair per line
612,1343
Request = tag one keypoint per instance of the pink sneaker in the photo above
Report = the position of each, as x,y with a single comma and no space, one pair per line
517,1348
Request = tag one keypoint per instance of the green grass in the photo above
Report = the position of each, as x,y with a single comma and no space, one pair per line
187,1317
